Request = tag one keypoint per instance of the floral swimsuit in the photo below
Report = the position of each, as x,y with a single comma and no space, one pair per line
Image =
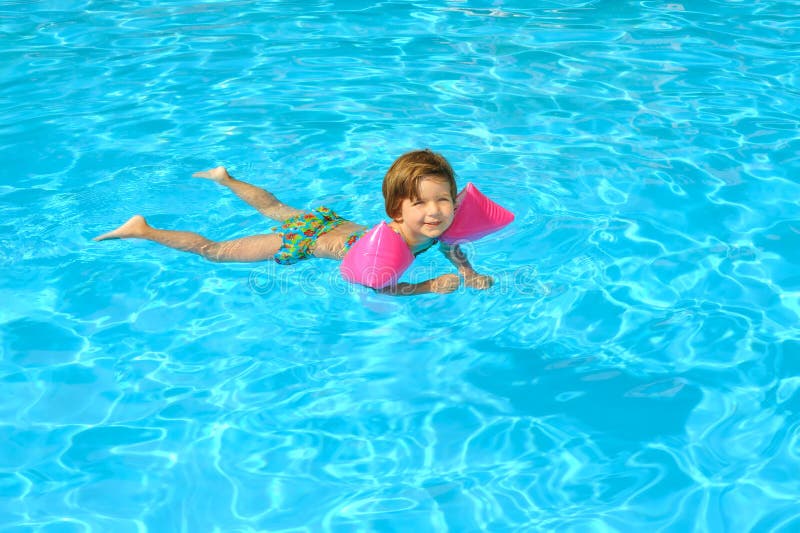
301,232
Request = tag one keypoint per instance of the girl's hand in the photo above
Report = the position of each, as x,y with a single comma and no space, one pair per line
478,281
445,283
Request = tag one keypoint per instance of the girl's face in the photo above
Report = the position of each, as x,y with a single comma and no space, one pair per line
428,216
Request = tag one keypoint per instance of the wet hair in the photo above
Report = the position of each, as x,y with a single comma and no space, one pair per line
403,178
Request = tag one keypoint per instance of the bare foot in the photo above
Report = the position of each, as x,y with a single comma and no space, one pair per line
218,174
134,227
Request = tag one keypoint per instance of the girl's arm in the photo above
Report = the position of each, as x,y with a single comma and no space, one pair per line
472,279
442,285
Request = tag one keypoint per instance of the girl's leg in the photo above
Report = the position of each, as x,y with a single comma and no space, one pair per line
264,201
244,250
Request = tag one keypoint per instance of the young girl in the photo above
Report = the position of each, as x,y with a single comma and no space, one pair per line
419,190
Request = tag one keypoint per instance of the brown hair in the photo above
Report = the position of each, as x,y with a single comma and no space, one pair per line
403,178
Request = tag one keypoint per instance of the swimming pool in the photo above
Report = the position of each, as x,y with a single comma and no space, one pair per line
636,365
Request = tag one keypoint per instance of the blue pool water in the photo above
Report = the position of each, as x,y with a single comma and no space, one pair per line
635,367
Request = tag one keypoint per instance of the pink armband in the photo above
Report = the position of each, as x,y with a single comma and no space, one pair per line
476,216
377,259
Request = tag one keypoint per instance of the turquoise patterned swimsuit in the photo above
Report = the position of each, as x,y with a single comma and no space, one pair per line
301,232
